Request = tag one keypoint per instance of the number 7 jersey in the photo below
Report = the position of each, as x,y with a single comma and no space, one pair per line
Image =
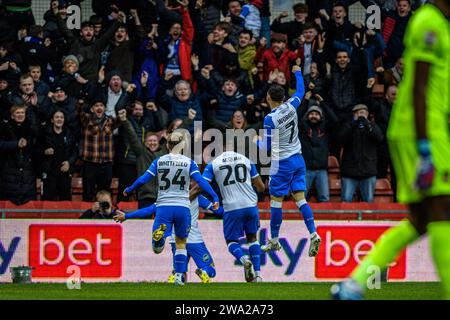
174,172
281,127
233,173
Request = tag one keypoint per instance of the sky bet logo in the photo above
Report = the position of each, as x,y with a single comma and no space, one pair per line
7,253
293,255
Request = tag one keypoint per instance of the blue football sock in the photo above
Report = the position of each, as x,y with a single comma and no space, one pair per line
236,250
276,217
211,271
308,215
254,249
180,261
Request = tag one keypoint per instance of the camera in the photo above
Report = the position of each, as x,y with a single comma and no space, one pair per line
104,205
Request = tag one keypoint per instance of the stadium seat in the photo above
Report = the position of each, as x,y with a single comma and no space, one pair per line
333,168
383,191
335,189
378,90
38,189
77,189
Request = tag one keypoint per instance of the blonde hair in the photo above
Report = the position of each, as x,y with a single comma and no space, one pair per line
175,139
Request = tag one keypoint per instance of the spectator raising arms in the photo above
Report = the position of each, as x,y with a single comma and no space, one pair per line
97,147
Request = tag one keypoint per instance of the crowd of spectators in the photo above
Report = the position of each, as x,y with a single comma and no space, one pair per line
98,102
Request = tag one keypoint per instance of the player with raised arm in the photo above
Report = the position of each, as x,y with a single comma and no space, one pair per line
235,175
288,170
419,143
195,246
174,171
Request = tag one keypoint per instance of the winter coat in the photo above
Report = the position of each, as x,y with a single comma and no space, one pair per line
246,57
179,109
315,138
71,120
17,173
185,46
73,88
149,63
121,56
38,113
68,149
34,52
282,63
359,158
345,90
293,29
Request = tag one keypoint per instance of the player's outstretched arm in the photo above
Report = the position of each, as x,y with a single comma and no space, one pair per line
145,178
296,99
203,184
207,205
138,214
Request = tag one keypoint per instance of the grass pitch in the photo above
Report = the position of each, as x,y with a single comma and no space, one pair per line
212,291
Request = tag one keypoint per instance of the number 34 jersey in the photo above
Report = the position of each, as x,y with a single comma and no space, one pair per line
233,173
281,126
174,172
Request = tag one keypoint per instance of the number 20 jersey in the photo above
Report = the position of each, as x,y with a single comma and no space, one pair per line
174,172
282,123
233,173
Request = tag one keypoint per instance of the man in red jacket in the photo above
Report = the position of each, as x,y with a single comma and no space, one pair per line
278,57
179,44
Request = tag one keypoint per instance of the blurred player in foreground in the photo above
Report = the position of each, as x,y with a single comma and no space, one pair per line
288,169
195,246
419,143
174,171
235,175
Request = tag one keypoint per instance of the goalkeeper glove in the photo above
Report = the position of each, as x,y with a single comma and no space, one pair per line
425,171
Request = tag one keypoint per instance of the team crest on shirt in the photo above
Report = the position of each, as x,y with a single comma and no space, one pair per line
430,38
205,257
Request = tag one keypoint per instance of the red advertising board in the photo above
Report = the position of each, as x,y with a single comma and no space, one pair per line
96,249
343,248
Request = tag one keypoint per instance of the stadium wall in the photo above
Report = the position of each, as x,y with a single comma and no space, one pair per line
110,252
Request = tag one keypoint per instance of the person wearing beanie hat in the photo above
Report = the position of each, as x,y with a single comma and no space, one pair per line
274,36
72,58
70,79
315,109
61,101
316,124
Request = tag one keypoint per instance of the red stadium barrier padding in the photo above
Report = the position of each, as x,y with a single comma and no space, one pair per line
322,211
